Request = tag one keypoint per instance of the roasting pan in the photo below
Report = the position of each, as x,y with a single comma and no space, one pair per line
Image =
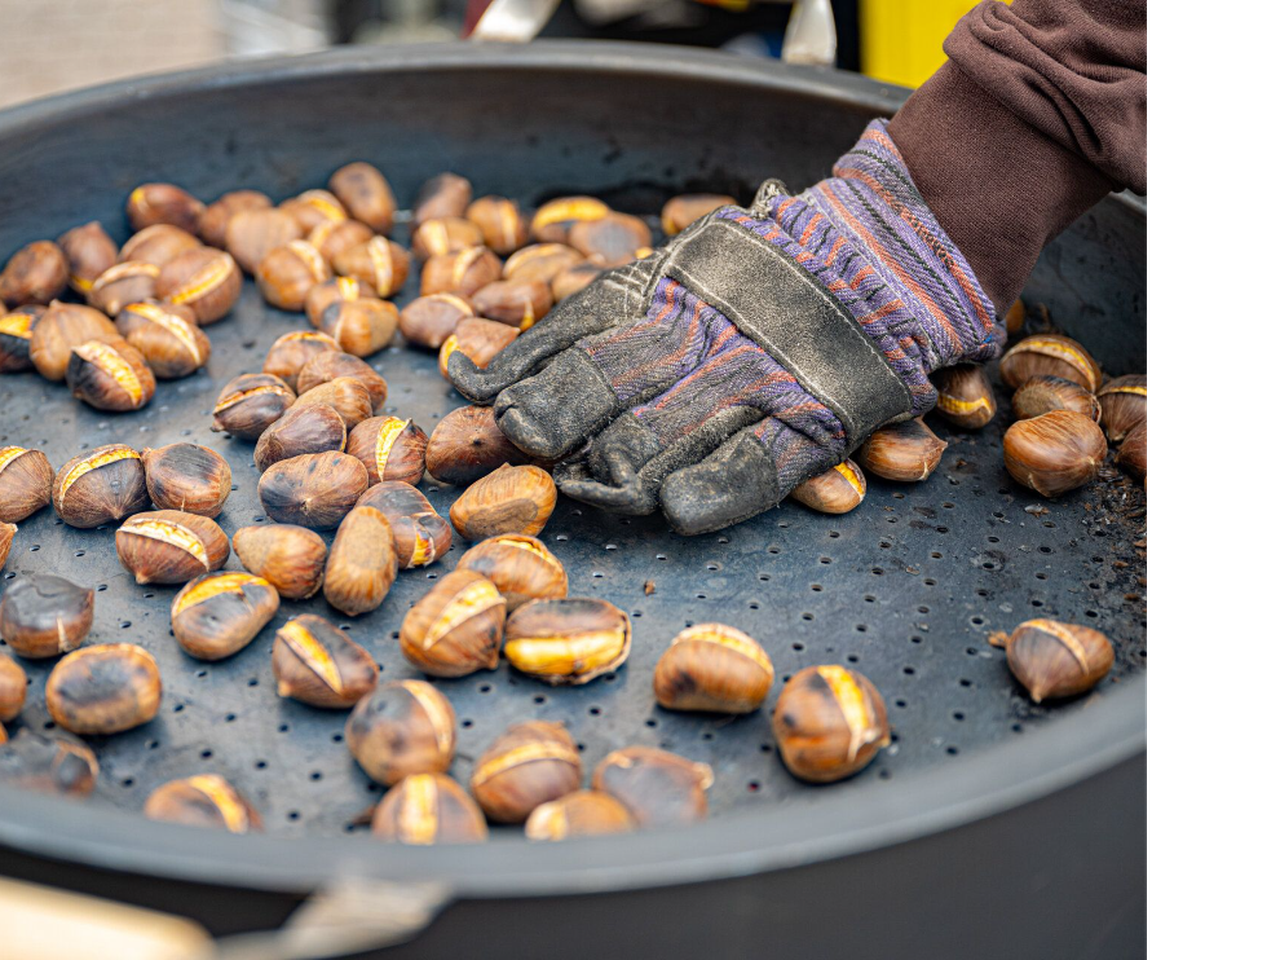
991,827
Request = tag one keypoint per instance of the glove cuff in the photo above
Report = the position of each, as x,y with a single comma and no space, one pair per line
868,236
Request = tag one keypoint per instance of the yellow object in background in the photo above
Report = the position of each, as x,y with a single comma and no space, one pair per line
902,39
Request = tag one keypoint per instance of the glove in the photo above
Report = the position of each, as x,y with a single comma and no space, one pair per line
757,348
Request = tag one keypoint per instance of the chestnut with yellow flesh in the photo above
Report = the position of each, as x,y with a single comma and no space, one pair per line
1124,405
110,376
167,337
62,327
158,244
313,208
532,763
206,280
89,251
291,351
286,274
517,303
316,663
421,534
205,800
53,762
441,235
44,616
906,452
567,641
1052,354
170,546
583,813
382,264
26,483
658,788
402,729
220,614
129,282
290,558
504,226
456,629
1043,394
1054,660
362,562
713,667
250,403
332,239
542,262
390,448
13,688
553,220
1055,452
965,397
152,203
478,340
509,500
837,490
15,338
522,568
101,486
462,272
314,490
186,476
429,808
829,723
304,428
324,295
107,688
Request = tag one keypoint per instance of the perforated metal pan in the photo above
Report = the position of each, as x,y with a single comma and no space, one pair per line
990,827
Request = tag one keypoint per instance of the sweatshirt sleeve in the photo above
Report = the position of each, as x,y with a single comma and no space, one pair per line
1040,111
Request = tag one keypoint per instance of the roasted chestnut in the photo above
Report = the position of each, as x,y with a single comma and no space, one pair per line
402,729
219,614
217,215
205,279
466,445
1132,455
43,616
89,251
187,476
333,237
441,235
110,376
316,663
542,262
324,295
572,279
504,225
330,366
129,282
532,763
679,212
250,403
837,490
1042,393
361,327
362,562
1054,660
170,546
252,234
291,351
421,534
205,800
521,567
462,272
7,532
1015,317
658,788
456,629
583,813
167,336
829,723
13,688
1054,452
163,203
567,641
965,397
429,808
444,195
315,489
101,486
286,274
289,558
1124,404
35,274
613,240
26,483
365,193
509,500
1051,354
15,337
106,688
61,327
311,208
390,448
304,428
53,762
906,451
157,244
517,303
348,396
713,667
378,262
428,321
554,219
478,340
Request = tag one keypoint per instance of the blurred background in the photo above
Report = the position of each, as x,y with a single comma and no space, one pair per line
47,46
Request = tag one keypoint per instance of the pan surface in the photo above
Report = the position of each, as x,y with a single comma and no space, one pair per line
905,589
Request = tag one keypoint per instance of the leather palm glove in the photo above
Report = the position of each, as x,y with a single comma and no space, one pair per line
757,348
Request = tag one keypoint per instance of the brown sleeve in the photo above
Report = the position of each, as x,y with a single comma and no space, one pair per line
1039,113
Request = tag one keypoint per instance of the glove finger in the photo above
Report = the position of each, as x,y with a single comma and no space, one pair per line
553,412
746,475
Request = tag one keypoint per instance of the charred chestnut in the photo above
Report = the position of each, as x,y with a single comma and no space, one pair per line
250,403
219,614
390,448
35,274
53,762
304,428
583,813
713,667
101,486
1054,660
314,490
316,663
429,808
509,500
187,476
43,616
421,534
167,336
365,193
402,729
456,629
362,562
206,280
110,376
829,723
466,445
531,764
205,800
107,688
89,251
521,567
289,558
567,641
170,546
657,788
444,195
291,351
163,203
26,483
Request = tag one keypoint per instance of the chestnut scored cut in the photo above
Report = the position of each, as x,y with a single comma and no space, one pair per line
170,546
187,476
288,557
965,397
361,327
107,688
402,729
311,208
837,490
101,486
43,616
250,403
15,337
542,262
110,376
131,281
713,667
151,203
478,340
1054,660
390,448
504,226
440,235
316,663
26,483
658,788
89,251
583,813
456,628
428,321
219,614
1124,404
291,351
530,764
462,272
205,279
429,808
286,274
829,723
379,262
567,641
167,337
554,219
205,800
421,534
1053,354
62,327
1042,394
158,244
324,295
522,568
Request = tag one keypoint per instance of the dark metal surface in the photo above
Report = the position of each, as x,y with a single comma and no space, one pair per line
905,589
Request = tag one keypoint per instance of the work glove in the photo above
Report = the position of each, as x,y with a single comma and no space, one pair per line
756,349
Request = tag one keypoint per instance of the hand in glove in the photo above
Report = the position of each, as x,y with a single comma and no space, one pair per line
756,349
